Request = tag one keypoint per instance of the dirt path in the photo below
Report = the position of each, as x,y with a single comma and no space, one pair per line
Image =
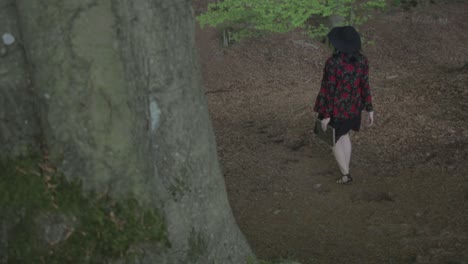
409,200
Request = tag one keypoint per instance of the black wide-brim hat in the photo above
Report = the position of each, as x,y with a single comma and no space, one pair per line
345,39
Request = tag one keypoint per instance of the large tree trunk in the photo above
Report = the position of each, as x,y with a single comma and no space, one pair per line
19,129
122,110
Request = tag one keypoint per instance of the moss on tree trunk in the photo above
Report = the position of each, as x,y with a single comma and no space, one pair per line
47,219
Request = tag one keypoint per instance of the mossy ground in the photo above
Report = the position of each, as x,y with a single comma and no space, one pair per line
98,226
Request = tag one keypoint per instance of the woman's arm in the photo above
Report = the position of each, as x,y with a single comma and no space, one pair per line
366,94
324,101
365,91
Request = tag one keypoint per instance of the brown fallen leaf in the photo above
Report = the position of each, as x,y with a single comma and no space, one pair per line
47,178
46,167
69,233
51,186
20,170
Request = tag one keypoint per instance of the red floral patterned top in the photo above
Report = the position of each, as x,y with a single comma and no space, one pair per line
345,90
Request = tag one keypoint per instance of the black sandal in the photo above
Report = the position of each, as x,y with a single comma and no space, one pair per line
345,179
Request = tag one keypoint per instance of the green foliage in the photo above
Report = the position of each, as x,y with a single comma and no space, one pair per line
250,17
317,31
98,227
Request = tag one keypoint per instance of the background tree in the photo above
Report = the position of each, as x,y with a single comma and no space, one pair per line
129,169
251,17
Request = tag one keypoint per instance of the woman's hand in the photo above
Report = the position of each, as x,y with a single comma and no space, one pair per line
324,123
370,116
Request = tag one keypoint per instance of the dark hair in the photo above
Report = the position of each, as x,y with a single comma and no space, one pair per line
346,41
349,57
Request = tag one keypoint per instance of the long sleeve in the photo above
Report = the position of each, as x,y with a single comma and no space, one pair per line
324,101
365,91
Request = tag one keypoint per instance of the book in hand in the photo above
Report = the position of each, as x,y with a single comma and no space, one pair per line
327,136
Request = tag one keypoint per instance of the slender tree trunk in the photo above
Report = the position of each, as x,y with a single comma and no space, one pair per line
122,110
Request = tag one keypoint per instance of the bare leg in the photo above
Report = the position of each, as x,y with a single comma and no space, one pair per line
347,149
340,153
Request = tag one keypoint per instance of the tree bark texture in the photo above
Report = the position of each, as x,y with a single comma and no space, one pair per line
122,109
19,128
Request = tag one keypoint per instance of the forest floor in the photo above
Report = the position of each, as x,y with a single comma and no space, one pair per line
409,200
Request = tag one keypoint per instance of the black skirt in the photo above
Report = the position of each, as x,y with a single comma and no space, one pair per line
342,127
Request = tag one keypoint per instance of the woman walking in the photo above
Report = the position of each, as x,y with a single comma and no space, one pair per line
344,94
